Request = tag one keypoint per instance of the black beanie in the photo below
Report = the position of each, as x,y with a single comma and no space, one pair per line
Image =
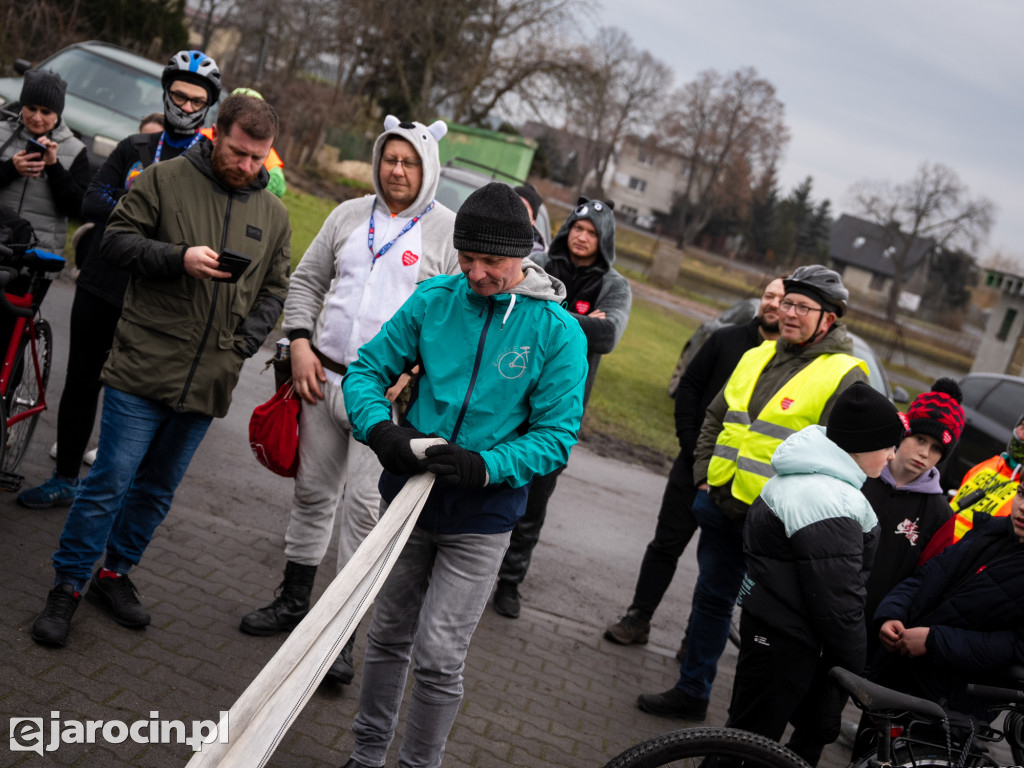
863,420
493,220
532,196
43,88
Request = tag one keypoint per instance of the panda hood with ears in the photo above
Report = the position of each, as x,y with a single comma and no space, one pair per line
424,139
598,213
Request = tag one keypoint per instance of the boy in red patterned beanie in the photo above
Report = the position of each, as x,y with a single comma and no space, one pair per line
907,497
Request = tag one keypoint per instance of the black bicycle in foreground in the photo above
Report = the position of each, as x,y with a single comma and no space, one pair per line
913,733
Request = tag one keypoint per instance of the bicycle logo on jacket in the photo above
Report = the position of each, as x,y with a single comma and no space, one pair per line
512,364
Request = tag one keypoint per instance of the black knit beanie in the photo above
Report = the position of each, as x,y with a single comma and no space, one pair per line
493,220
531,195
43,88
863,420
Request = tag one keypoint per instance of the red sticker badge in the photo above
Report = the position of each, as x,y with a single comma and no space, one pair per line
409,258
786,402
582,307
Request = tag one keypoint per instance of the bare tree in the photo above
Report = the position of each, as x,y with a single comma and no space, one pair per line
611,90
459,58
934,204
211,15
516,42
718,117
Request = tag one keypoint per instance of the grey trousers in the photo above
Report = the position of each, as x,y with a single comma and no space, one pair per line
426,611
332,465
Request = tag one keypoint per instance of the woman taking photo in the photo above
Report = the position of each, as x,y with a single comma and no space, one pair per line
44,169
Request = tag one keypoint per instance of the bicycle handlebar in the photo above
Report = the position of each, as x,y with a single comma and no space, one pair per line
6,273
996,695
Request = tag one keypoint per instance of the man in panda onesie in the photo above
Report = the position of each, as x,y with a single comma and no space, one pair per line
365,262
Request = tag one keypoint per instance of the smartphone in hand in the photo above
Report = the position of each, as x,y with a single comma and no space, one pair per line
34,147
233,262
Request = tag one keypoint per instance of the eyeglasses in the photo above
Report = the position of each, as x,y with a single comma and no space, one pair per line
800,310
391,162
181,99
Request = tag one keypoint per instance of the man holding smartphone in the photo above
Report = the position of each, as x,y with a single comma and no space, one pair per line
177,351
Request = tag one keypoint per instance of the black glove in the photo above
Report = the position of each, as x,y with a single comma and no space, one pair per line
391,444
456,466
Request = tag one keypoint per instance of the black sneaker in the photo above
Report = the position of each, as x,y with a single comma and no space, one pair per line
342,671
506,599
118,597
53,625
631,628
674,703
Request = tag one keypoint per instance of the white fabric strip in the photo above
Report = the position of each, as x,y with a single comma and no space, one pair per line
261,716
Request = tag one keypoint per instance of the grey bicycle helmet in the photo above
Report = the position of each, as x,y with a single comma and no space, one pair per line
821,284
192,67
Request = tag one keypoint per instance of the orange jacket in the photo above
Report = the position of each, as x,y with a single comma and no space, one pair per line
273,159
998,482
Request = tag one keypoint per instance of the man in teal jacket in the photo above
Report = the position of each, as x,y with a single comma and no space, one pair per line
504,367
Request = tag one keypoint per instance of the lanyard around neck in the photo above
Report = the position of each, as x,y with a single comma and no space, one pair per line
387,246
160,144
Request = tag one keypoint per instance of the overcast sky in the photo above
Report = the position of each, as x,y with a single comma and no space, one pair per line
872,89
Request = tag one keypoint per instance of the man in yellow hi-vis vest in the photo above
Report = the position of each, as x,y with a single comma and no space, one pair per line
776,389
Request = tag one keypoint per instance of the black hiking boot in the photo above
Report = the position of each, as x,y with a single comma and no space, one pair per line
506,599
290,606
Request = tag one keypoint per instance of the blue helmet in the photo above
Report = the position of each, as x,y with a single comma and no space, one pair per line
192,67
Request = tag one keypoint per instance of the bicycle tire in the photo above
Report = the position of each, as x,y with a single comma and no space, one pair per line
25,394
693,747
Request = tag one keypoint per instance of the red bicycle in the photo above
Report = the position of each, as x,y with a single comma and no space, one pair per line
24,278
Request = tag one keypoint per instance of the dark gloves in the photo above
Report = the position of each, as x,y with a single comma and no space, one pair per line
391,444
456,466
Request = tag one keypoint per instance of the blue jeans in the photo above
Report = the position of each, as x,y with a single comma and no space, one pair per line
721,568
145,448
426,611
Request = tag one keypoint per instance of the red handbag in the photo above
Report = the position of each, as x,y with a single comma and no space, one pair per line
274,432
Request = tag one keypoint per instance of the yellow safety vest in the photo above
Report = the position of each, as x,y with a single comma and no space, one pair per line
744,450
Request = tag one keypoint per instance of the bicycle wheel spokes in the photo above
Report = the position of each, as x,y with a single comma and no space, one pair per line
25,393
708,748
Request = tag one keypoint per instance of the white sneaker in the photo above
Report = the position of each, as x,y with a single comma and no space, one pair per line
90,457
53,451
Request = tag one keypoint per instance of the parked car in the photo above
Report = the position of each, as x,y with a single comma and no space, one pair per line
109,91
993,404
457,183
743,312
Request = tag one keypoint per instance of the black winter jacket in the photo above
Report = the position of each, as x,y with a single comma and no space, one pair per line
972,598
111,182
908,517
